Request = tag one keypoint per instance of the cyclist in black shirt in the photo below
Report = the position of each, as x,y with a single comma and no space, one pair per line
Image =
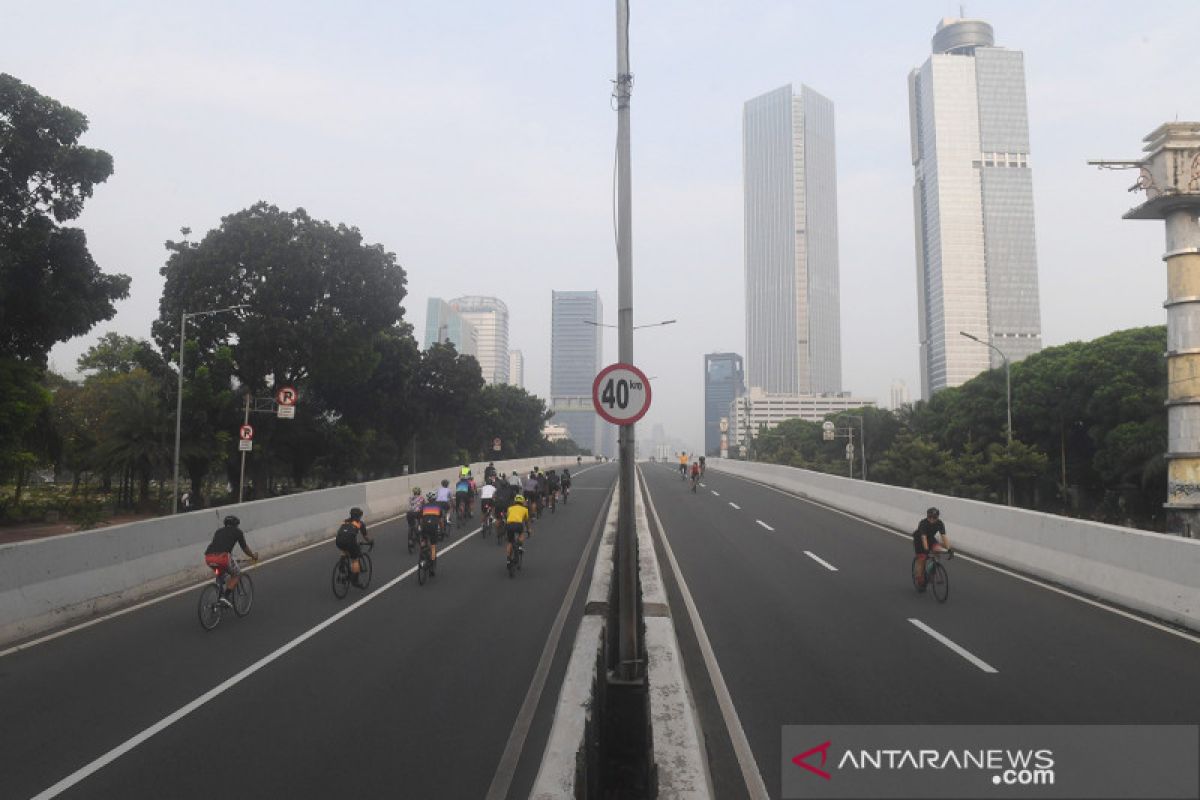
925,541
218,557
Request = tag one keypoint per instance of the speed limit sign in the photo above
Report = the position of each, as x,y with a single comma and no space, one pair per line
621,394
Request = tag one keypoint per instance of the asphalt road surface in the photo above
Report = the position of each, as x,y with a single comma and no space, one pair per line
813,619
415,692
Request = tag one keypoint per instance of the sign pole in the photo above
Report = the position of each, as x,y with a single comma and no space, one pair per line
629,655
242,474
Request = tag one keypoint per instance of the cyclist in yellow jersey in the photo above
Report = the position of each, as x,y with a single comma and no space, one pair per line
516,523
683,464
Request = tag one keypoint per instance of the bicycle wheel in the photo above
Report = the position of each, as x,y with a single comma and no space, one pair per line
364,575
243,596
423,567
941,582
341,578
209,610
912,573
412,540
520,554
512,563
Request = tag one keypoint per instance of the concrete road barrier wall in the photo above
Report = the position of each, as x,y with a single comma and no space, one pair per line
1153,573
46,583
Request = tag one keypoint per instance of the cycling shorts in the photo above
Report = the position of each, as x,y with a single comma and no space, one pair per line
514,529
221,561
349,545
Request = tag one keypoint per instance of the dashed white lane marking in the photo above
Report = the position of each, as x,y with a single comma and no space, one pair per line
765,525
735,505
962,651
820,561
715,493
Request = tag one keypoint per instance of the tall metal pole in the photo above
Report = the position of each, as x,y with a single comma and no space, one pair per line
179,411
242,473
628,650
1007,401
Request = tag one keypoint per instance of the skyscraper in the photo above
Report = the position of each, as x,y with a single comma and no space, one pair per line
516,368
973,203
444,324
489,315
789,174
576,351
723,383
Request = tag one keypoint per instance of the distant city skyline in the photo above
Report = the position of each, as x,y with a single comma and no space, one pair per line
793,311
445,324
489,315
973,201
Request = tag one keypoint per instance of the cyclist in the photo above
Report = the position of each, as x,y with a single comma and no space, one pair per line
695,474
701,466
443,500
487,499
218,553
529,488
578,460
465,471
543,489
347,539
462,498
505,492
565,480
683,462
517,521
514,480
489,472
552,485
433,522
925,542
415,503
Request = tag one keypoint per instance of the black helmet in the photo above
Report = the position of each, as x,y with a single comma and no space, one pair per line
933,512
232,521
356,513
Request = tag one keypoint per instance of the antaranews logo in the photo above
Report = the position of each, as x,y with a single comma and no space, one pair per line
802,759
1007,767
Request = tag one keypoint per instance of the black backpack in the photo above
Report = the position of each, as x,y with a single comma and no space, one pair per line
348,531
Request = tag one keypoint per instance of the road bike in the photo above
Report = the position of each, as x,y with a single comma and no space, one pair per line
518,555
553,499
935,574
412,533
344,575
426,564
566,492
695,482
462,507
489,522
211,608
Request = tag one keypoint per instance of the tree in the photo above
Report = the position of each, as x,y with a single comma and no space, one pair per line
50,288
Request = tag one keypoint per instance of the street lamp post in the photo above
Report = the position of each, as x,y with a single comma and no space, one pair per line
1008,399
862,428
183,320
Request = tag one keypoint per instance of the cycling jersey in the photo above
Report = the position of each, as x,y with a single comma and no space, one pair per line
431,517
552,480
487,492
443,494
517,515
927,530
462,487
225,538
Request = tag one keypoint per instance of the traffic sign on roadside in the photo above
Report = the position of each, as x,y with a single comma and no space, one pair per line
285,412
286,396
621,394
496,444
246,433
245,445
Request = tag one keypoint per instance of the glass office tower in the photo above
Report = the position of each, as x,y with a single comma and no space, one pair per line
973,203
489,315
576,353
724,382
789,174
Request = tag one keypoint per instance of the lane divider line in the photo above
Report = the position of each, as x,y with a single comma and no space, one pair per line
502,780
169,720
735,505
751,776
1120,612
820,561
962,651
765,525
715,493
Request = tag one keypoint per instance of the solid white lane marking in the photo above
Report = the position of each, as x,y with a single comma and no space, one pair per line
502,780
171,719
765,525
820,561
735,505
702,486
962,651
715,493
1120,612
751,776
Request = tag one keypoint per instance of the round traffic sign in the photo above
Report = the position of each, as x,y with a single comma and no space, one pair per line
246,432
286,396
621,394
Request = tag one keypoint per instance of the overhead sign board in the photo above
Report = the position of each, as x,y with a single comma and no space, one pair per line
621,394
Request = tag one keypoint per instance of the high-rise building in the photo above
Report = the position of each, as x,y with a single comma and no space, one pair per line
516,368
444,324
576,352
973,203
724,382
789,174
489,315
899,395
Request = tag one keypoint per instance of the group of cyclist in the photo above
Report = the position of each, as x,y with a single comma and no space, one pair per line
695,472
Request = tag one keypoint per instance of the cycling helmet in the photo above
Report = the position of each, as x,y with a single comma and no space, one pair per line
933,512
445,482
356,513
416,490
431,497
232,521
519,499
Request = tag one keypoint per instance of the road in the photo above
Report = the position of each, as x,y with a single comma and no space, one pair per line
813,619
414,692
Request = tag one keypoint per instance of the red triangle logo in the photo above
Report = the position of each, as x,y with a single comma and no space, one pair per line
801,760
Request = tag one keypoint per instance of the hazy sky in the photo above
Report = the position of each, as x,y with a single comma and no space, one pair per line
476,141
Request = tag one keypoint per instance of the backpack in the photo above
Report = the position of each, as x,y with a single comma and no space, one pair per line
348,531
